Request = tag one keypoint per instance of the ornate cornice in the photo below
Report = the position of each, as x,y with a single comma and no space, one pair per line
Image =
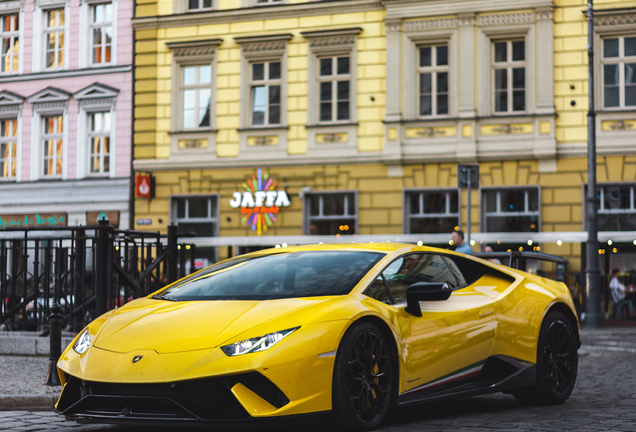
393,25
545,13
264,43
332,38
615,20
256,13
194,48
48,105
466,19
97,101
506,19
10,108
433,24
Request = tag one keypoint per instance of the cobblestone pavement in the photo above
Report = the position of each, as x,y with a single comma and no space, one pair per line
603,400
14,381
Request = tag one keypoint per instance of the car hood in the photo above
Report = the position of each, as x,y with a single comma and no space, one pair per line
169,327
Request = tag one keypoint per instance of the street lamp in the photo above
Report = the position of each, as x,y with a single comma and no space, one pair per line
593,272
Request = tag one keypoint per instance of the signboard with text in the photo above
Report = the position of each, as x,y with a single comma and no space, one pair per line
33,220
260,202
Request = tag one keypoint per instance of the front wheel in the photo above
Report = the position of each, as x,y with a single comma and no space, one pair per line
557,363
363,378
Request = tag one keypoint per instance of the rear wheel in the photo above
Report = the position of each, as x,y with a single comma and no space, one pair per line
363,379
557,363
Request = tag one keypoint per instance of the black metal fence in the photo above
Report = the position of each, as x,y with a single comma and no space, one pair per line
86,270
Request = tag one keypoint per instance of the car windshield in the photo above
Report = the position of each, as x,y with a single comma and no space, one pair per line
282,275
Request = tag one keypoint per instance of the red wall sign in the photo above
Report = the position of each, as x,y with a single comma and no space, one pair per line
143,185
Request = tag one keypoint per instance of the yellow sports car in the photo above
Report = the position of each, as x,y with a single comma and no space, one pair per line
345,331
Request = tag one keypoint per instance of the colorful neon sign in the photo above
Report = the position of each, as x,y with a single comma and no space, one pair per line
260,202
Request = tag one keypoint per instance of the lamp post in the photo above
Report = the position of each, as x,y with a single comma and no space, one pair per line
593,272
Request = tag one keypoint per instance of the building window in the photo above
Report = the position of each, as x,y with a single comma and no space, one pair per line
509,76
99,141
616,211
9,38
433,82
268,2
196,96
511,210
101,33
265,86
432,211
197,214
195,5
334,84
54,38
331,213
8,148
619,72
53,145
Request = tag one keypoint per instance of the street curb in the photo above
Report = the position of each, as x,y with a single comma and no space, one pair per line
27,402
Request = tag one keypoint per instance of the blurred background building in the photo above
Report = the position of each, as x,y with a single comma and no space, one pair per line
65,112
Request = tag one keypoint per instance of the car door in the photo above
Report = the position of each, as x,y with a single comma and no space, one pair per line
453,338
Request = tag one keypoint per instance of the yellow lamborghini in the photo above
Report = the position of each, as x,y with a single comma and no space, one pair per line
345,331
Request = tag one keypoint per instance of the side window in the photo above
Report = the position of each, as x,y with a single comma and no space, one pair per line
410,269
377,290
461,280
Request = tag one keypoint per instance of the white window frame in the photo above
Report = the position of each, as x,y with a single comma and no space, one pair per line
83,130
16,140
201,7
213,218
196,87
334,78
54,136
508,66
86,34
253,3
434,70
58,30
621,60
39,60
421,192
37,150
266,82
307,210
102,29
13,35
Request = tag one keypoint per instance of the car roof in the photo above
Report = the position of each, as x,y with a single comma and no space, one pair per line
382,247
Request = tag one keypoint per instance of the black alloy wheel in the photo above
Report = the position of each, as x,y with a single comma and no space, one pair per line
363,386
557,363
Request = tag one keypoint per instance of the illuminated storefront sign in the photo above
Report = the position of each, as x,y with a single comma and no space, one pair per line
260,202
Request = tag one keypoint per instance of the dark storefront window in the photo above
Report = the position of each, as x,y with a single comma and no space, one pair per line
198,215
511,210
616,208
331,213
431,212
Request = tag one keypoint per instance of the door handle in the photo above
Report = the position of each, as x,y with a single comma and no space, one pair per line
486,312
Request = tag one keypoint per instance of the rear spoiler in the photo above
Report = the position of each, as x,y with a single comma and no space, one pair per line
514,257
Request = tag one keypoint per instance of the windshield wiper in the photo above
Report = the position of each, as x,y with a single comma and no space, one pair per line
158,297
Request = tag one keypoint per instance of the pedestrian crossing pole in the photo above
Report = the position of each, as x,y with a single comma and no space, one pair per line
593,272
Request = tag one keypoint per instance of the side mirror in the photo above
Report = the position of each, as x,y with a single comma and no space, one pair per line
425,291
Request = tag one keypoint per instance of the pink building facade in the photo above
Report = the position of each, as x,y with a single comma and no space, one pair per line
65,109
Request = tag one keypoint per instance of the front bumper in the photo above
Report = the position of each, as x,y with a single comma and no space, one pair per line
187,403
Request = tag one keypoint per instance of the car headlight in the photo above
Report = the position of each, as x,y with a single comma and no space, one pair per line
83,343
257,344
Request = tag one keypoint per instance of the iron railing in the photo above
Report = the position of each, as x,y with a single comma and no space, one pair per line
86,270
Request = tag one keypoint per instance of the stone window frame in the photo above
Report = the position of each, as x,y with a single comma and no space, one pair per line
322,135
86,38
181,7
509,65
306,210
406,216
191,53
11,108
41,7
493,28
213,218
484,213
416,35
13,8
256,49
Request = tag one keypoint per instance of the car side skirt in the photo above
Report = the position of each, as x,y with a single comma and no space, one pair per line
495,374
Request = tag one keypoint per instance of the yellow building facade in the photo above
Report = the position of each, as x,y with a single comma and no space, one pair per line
361,110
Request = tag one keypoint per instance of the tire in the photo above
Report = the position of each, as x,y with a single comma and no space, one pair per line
557,363
364,379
